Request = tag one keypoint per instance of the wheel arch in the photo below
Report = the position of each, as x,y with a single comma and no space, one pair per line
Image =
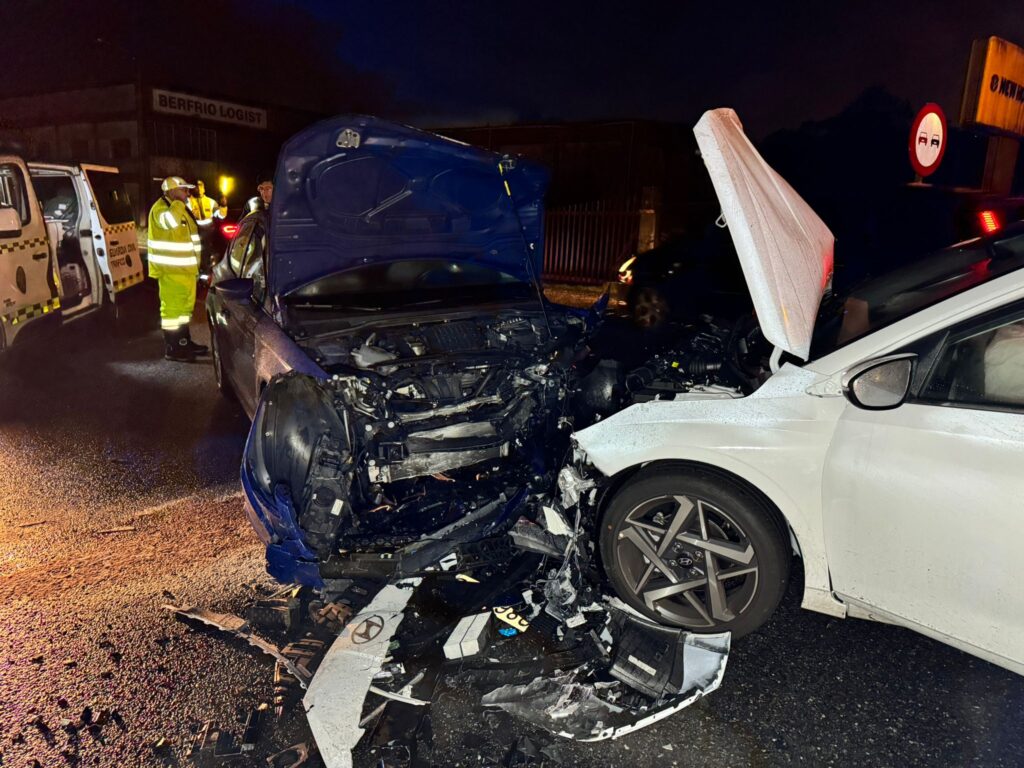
785,511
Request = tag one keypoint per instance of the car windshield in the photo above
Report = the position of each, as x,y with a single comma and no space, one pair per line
409,283
893,296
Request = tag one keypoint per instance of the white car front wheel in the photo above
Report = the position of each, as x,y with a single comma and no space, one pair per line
693,548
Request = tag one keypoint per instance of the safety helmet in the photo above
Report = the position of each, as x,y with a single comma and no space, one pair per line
175,182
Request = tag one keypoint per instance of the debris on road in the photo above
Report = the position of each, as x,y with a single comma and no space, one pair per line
33,524
305,654
295,756
469,636
213,746
120,529
251,731
350,666
565,658
239,627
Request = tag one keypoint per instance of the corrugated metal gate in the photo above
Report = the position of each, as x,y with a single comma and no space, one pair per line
586,242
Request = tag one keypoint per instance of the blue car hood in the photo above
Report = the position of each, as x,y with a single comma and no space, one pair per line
355,189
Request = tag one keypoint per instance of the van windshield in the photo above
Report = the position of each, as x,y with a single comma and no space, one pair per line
111,197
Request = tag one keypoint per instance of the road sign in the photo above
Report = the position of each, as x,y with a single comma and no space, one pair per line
928,136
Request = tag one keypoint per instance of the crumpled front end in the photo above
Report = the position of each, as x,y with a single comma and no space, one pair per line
425,443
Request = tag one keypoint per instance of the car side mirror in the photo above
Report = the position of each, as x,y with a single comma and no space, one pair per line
10,223
880,384
235,289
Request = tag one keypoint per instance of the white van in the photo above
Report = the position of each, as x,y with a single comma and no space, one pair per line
67,242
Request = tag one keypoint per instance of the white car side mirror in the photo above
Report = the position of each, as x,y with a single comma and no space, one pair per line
10,223
880,384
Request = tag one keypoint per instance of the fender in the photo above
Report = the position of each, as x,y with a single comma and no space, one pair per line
773,440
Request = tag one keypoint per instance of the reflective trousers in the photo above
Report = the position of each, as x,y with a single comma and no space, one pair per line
177,299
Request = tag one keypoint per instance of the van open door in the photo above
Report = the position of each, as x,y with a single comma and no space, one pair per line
28,286
114,239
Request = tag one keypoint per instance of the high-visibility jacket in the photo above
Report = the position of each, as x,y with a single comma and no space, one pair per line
174,246
202,208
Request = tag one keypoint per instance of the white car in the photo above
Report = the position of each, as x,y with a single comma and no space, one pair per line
886,448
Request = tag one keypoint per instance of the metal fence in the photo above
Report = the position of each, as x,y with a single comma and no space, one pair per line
586,242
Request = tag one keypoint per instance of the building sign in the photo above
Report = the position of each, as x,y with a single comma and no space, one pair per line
994,92
928,136
184,105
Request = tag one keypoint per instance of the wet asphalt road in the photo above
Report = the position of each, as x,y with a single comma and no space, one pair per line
97,433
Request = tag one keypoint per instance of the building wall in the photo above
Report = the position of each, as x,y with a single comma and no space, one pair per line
116,125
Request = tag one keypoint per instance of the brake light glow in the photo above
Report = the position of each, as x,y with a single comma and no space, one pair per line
989,221
228,230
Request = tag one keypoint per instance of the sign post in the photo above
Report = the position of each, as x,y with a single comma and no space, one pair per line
928,136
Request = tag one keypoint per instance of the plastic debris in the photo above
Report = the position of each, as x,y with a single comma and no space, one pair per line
469,636
239,627
295,756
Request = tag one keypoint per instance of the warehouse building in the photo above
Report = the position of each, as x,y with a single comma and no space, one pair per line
150,133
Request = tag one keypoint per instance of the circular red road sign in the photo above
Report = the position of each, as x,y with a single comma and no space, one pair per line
928,137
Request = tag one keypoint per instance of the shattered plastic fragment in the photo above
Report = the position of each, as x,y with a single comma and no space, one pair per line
334,701
572,485
239,627
585,711
469,636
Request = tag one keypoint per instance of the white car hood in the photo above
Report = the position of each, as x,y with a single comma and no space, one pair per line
785,250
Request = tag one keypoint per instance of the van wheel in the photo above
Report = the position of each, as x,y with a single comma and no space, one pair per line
694,549
223,385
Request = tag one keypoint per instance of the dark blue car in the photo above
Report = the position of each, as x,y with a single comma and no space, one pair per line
383,325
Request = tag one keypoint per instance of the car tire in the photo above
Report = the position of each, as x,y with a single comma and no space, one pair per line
219,374
727,566
650,308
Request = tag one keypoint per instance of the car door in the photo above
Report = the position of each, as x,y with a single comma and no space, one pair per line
922,503
244,316
27,285
222,317
112,221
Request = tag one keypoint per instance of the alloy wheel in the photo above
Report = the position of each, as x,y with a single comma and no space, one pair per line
687,560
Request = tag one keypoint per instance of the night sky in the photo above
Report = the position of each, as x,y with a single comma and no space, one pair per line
461,62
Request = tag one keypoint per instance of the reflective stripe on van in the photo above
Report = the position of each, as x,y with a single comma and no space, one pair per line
23,245
27,313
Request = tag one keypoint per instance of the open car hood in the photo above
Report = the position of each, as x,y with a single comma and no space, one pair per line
355,189
785,250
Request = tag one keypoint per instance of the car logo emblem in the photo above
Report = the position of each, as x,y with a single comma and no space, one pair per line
367,629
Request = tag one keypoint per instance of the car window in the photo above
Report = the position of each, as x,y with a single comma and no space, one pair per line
238,248
12,191
58,197
981,365
111,196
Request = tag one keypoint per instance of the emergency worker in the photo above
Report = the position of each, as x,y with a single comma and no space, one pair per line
174,254
203,207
